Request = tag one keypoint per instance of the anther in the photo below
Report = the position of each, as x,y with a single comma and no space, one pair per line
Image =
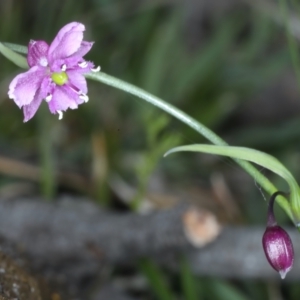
64,68
43,62
83,64
84,97
48,98
60,114
96,69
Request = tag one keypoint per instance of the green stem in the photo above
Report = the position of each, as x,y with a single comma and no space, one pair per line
183,117
131,89
48,182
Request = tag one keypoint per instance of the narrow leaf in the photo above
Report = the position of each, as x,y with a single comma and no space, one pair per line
191,122
17,48
16,58
156,280
188,281
263,159
225,291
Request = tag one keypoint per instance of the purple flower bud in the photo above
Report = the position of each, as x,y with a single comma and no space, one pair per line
277,244
279,250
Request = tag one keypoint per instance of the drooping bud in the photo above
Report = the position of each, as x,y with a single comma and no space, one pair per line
277,244
278,248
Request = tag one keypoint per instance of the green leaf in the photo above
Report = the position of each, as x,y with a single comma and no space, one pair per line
292,43
191,122
156,280
188,282
207,59
16,58
263,159
156,64
17,48
222,290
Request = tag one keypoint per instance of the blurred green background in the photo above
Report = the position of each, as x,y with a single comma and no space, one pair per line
225,63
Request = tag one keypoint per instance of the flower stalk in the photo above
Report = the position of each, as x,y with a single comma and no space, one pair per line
194,124
60,80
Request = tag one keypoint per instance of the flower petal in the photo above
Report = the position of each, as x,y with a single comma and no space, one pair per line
72,63
78,80
84,48
86,69
62,100
67,41
24,86
67,28
30,109
37,53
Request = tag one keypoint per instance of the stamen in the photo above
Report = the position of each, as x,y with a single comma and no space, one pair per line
74,88
83,64
43,62
64,68
48,98
60,114
11,95
96,69
84,97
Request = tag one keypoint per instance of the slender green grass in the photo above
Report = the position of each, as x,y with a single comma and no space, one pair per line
156,279
47,161
188,281
183,117
294,51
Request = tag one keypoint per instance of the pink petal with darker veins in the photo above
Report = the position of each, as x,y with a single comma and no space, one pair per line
24,86
30,109
70,62
62,100
67,41
84,48
37,53
77,80
89,66
67,28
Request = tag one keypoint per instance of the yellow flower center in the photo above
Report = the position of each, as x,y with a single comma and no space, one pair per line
59,78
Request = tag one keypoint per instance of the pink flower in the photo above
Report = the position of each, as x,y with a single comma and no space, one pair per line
55,74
